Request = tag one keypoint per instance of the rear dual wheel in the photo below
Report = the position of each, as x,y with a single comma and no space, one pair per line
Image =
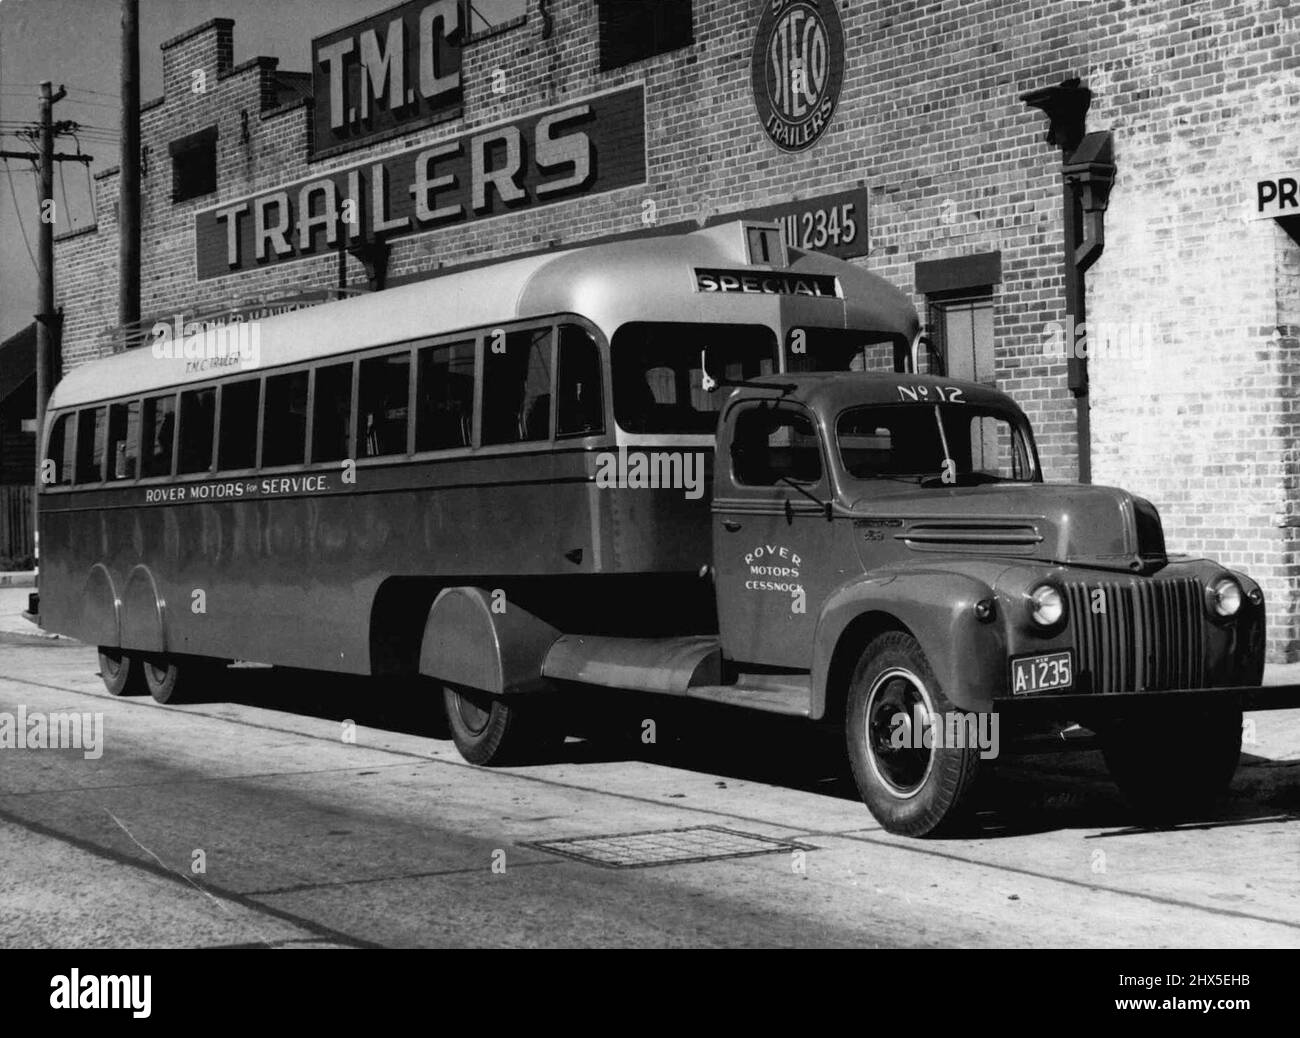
499,730
169,679
121,671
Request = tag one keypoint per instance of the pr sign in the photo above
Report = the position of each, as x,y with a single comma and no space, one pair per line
386,75
797,70
584,147
1276,196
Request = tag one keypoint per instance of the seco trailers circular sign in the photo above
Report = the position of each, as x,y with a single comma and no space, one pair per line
798,69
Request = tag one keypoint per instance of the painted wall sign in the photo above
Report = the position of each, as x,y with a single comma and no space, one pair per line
1276,196
776,283
797,70
386,74
584,147
835,224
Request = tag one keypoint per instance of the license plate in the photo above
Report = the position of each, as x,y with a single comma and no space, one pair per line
1044,673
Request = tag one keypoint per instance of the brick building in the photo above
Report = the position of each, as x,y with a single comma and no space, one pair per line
1195,306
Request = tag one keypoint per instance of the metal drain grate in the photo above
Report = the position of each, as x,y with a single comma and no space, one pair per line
666,847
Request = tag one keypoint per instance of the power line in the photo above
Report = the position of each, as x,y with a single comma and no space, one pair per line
18,215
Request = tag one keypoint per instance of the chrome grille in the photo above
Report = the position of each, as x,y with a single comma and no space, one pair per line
1149,638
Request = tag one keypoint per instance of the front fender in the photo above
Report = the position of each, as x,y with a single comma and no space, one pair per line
937,607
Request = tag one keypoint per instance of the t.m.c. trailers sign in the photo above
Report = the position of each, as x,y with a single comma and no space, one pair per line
585,146
386,75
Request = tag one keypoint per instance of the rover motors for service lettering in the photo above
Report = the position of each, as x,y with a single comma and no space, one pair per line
797,69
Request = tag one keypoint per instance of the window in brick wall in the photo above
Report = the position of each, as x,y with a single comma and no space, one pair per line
961,336
632,30
194,165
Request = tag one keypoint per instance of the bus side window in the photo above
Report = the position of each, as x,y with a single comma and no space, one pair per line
284,421
60,452
331,426
383,400
123,439
237,448
517,387
580,412
445,397
159,426
198,415
92,431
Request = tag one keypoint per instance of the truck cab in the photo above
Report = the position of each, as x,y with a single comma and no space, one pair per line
886,557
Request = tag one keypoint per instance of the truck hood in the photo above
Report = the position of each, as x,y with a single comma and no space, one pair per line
1067,523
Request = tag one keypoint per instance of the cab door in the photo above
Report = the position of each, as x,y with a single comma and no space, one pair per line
771,534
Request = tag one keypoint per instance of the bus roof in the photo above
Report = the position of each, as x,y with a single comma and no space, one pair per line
644,279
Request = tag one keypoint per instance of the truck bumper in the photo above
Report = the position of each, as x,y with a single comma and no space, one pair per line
1074,705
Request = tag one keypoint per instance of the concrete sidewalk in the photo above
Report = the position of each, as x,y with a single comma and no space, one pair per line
18,578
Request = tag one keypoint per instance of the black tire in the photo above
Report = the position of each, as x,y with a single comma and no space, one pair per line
1167,767
172,680
913,791
121,671
497,730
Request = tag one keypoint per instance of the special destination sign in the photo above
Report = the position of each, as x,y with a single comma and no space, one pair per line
583,147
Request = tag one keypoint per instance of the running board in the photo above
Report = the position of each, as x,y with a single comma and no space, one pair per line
690,667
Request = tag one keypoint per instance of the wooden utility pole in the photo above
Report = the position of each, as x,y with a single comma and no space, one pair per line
128,303
48,361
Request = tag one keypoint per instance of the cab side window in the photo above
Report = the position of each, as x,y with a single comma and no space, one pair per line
772,444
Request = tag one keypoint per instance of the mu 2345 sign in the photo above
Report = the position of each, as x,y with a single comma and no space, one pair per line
797,70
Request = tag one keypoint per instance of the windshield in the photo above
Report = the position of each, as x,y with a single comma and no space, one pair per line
936,444
658,382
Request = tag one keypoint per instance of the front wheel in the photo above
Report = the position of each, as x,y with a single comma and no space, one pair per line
1169,766
895,725
490,729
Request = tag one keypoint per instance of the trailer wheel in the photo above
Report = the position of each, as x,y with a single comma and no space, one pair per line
121,672
911,789
1168,767
494,730
173,679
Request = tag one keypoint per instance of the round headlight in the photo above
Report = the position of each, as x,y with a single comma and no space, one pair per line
1225,596
1046,605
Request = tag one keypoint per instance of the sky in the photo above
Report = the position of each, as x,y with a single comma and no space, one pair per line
76,43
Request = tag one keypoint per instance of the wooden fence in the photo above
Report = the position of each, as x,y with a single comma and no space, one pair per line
17,537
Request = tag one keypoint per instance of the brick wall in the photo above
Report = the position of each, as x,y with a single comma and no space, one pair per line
1199,96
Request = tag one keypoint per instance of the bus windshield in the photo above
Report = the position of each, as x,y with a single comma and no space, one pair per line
843,349
936,445
658,383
